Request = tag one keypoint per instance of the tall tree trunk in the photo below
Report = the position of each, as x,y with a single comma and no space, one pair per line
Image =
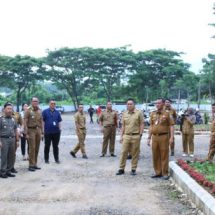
18,99
179,99
199,95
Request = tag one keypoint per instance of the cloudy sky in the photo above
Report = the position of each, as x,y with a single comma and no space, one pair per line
30,27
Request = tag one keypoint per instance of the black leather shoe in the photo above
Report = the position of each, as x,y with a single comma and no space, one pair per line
129,157
3,176
13,170
31,169
120,172
133,172
46,161
102,155
57,161
166,177
10,175
84,157
73,154
113,155
156,176
172,154
36,167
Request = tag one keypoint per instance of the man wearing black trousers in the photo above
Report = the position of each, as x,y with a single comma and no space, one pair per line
52,129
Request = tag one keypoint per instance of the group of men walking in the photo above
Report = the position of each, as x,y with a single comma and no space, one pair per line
36,125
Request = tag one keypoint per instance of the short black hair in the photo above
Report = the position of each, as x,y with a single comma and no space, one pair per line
7,104
34,97
162,99
167,99
80,104
130,99
213,104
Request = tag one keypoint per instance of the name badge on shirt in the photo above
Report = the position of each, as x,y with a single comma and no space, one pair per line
54,123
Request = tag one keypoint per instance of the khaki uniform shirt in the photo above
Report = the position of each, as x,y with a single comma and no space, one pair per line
33,117
213,128
18,118
172,113
187,126
160,122
108,117
8,127
132,121
80,119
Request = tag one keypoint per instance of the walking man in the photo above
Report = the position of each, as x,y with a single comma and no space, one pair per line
33,128
52,130
161,131
173,115
212,140
80,124
8,136
108,121
91,112
132,130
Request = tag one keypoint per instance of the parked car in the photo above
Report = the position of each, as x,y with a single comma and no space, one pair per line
60,108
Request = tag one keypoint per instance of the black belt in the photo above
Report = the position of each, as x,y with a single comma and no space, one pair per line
7,137
35,127
107,126
160,134
133,134
82,128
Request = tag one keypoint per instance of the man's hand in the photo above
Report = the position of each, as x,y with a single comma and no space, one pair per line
27,136
171,141
102,130
121,140
17,144
149,141
0,145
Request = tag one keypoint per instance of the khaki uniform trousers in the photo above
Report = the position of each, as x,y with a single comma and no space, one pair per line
188,142
34,145
131,142
212,148
160,154
109,137
81,133
7,153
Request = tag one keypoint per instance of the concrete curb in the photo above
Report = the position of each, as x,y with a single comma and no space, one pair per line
195,192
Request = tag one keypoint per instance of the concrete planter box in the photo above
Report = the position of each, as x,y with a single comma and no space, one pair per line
195,192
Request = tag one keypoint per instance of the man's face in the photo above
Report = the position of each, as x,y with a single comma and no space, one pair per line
167,103
80,108
213,109
109,106
130,105
35,102
52,104
8,110
159,104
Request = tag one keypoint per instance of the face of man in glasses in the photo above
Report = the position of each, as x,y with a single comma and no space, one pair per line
52,104
35,102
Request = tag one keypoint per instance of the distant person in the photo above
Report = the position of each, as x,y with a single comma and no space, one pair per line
19,123
80,124
108,121
33,128
98,112
187,128
132,130
22,133
161,132
173,115
212,139
52,130
9,135
91,112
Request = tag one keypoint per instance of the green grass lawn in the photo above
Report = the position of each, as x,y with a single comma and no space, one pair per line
206,168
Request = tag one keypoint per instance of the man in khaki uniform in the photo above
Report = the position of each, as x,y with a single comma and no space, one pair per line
80,123
132,130
108,121
173,115
161,124
33,128
212,139
188,121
